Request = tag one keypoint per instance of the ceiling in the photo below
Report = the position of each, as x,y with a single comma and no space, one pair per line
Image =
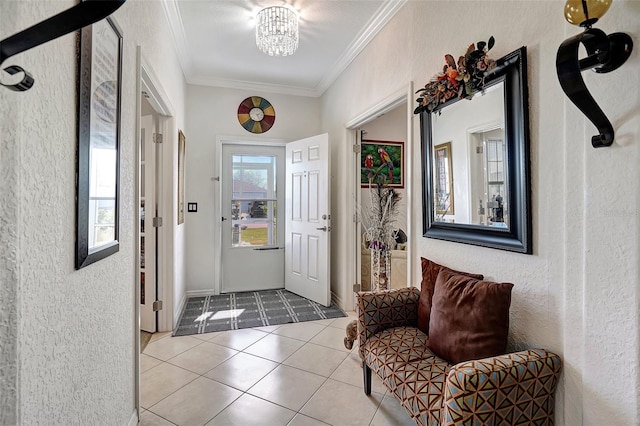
215,40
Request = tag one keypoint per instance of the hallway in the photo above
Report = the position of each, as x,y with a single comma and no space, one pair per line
292,374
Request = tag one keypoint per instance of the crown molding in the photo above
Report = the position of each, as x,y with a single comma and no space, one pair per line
172,12
252,86
387,11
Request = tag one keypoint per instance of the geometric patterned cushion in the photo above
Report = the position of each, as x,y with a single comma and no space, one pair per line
419,386
483,392
386,350
401,358
379,311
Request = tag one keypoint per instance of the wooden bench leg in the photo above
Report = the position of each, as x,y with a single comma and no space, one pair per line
366,371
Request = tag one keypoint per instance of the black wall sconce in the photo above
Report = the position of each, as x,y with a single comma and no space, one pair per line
605,53
85,13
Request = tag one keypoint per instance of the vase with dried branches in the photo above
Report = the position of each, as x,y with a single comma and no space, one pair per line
379,232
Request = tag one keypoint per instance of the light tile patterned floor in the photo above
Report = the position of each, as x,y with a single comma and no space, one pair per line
293,374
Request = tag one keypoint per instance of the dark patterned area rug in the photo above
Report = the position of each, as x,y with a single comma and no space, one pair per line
249,309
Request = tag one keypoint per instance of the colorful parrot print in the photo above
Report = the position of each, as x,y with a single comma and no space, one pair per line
368,161
386,158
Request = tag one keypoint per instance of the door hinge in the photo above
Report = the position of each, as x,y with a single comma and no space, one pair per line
356,288
356,218
157,137
157,222
356,149
157,305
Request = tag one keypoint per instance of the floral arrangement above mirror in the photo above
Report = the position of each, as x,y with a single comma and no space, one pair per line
459,79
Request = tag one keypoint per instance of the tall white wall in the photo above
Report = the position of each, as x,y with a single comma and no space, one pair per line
578,293
9,181
68,335
211,113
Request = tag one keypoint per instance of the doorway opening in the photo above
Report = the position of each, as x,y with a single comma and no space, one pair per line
390,120
149,170
154,122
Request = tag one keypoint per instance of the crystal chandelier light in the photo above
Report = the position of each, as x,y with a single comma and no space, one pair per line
277,31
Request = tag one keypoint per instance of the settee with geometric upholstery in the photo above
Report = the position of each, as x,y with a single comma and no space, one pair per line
506,389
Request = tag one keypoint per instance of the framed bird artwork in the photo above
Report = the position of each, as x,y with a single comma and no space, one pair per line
382,163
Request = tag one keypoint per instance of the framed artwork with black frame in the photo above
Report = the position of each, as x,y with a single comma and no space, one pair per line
98,154
382,162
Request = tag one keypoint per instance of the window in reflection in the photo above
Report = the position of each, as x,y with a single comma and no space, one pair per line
102,197
495,178
489,196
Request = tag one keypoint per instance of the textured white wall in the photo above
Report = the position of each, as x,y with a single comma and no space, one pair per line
68,335
212,112
9,180
578,293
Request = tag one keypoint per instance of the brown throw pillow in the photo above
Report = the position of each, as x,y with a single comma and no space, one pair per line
430,270
469,318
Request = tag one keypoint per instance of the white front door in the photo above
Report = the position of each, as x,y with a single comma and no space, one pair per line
252,217
308,219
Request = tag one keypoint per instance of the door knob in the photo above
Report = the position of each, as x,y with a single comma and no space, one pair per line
324,228
224,218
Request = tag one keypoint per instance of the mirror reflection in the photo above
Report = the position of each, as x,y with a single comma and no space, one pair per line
102,196
470,161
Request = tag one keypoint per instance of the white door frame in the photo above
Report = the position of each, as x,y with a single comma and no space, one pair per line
217,194
157,97
398,97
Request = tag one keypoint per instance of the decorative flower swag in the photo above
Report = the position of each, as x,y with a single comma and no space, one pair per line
462,79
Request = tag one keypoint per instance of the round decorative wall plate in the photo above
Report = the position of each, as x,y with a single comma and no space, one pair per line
256,114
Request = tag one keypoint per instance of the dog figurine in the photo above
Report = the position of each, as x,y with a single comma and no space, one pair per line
352,334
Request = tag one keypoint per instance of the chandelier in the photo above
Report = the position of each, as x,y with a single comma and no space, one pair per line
277,31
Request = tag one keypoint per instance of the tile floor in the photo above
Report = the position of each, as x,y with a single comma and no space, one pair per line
294,374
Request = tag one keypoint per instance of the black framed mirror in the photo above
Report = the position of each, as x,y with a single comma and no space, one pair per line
98,155
476,152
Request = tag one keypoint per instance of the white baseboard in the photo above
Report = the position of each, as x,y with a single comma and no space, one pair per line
183,303
338,301
133,421
200,293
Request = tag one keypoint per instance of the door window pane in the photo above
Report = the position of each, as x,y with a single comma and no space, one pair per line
253,204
